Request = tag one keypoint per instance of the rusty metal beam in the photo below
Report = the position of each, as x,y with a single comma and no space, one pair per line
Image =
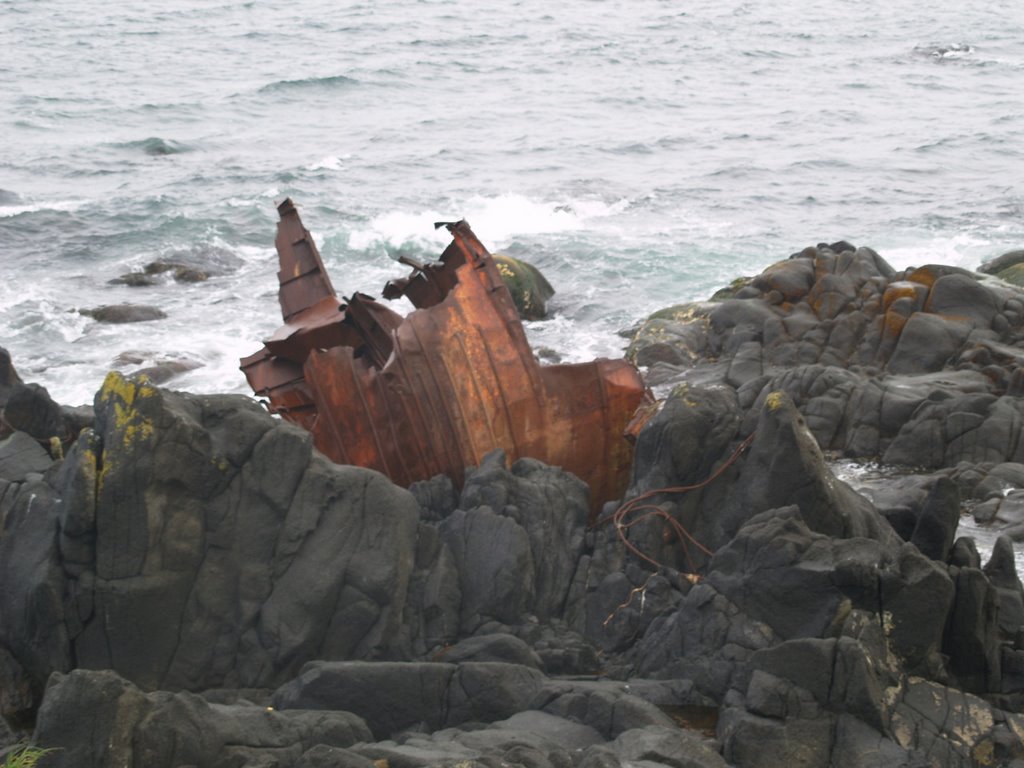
435,391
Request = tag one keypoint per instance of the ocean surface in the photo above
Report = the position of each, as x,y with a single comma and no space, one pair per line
641,153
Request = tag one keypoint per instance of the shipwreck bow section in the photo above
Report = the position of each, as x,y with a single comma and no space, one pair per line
435,391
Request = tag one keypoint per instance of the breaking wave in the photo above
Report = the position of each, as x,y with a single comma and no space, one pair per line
496,220
331,82
154,146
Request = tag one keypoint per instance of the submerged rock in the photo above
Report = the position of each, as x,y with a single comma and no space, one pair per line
124,313
529,288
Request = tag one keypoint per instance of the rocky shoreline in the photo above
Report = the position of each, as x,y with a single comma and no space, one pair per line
187,582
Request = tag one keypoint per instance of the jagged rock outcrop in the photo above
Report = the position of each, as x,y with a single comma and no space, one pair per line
920,367
190,554
232,552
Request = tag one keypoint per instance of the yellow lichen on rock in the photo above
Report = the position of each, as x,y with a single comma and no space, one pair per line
682,392
984,753
773,401
124,395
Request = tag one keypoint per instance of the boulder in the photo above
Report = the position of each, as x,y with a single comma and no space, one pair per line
9,378
551,507
205,512
1009,267
492,555
500,646
924,510
20,456
124,313
94,718
30,409
604,705
529,288
445,694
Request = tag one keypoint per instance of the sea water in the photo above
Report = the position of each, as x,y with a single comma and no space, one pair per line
641,153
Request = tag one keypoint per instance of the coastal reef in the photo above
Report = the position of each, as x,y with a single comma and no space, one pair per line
187,581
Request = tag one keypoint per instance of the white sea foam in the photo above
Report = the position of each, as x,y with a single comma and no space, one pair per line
495,219
330,163
962,249
53,205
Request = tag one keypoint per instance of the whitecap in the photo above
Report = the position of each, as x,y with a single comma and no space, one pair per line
329,163
495,219
959,250
6,211
944,50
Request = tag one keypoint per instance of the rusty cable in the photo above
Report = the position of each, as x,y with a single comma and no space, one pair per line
653,510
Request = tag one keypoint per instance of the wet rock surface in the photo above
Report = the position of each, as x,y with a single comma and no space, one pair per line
124,313
190,583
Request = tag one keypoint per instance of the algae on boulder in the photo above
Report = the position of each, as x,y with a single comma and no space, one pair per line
529,288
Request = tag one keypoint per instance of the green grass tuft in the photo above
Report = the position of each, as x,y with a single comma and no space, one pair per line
25,757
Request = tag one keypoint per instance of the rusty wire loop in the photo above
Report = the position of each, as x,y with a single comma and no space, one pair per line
618,517
641,590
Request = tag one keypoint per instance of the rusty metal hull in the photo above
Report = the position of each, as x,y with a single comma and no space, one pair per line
435,391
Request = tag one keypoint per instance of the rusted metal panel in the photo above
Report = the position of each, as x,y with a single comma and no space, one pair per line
435,391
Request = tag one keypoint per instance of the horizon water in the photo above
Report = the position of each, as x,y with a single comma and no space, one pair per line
641,154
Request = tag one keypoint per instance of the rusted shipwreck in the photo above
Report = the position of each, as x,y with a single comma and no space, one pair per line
435,391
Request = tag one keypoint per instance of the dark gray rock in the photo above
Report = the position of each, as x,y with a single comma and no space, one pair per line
946,725
381,693
95,718
183,729
17,694
322,756
9,378
1001,571
905,342
20,456
32,598
492,555
445,694
776,556
124,313
972,638
1002,262
434,597
497,647
785,466
679,447
30,409
567,734
767,742
792,278
606,706
529,288
552,507
962,295
162,371
676,335
489,691
858,745
437,497
924,510
927,342
674,747
207,513
89,718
